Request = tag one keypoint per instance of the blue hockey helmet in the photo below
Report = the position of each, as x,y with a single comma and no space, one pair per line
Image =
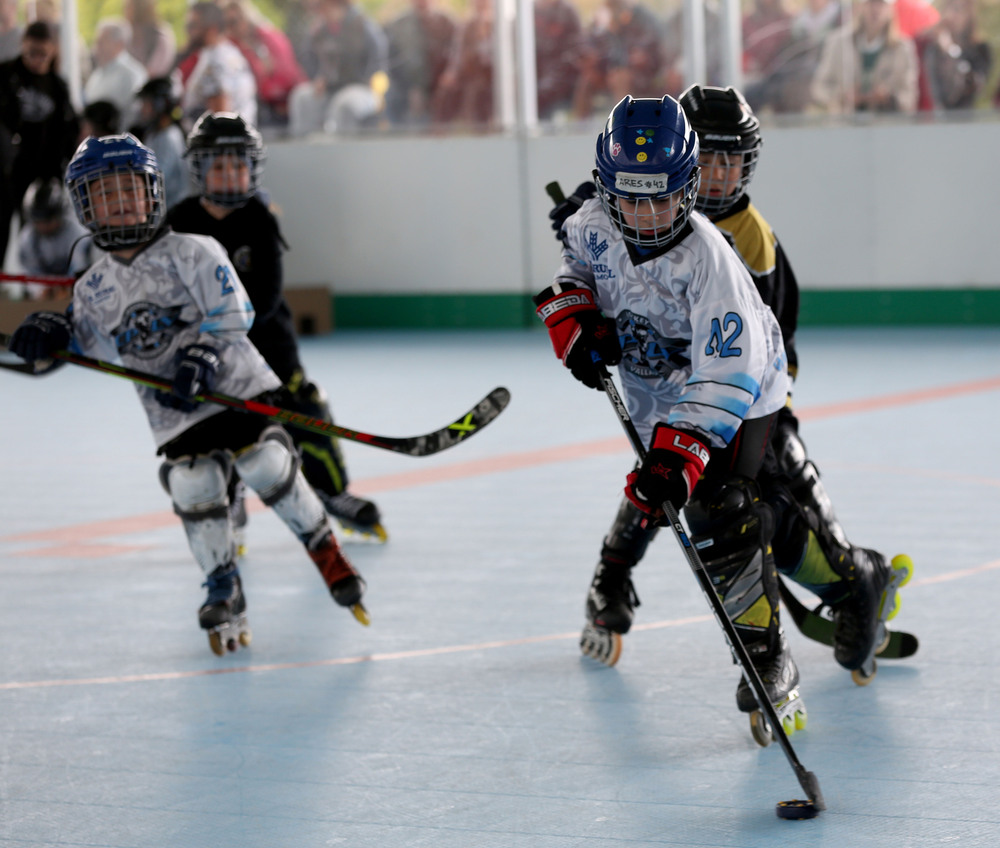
647,154
109,163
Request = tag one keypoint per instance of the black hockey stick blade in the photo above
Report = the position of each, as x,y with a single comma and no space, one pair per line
818,627
458,430
807,780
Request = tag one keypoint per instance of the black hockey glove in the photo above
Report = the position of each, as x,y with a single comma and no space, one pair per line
670,471
195,375
558,214
581,336
40,335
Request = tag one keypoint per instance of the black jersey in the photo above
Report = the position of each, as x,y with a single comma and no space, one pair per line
252,238
752,238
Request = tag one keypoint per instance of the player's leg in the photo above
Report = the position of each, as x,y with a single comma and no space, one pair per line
197,486
323,463
811,548
270,466
731,527
611,598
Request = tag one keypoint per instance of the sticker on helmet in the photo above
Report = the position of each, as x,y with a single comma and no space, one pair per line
641,183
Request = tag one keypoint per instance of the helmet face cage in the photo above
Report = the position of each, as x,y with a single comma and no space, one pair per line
725,177
117,191
650,222
227,158
647,171
227,176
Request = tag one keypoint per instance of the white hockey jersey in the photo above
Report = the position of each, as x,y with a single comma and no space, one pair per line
178,291
700,350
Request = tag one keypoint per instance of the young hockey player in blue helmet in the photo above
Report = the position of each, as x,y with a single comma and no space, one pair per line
227,158
648,284
172,304
810,545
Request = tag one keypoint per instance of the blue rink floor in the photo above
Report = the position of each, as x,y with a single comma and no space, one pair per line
465,716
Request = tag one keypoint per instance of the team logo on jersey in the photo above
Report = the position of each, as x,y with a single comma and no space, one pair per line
242,259
147,329
596,249
645,352
92,288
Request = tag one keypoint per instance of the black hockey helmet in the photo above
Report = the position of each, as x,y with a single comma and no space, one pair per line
45,200
729,135
226,134
163,93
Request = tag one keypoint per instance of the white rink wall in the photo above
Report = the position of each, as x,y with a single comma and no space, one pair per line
857,207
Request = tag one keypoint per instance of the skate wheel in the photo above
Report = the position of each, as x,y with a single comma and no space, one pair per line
245,638
901,562
760,729
215,643
862,679
601,644
796,810
375,534
361,614
895,608
801,717
884,643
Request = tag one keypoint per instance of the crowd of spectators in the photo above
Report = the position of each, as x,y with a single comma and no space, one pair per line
332,68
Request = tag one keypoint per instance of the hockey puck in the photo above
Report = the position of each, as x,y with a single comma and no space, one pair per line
796,810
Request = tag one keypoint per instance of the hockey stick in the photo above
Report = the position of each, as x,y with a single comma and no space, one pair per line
807,780
461,428
42,279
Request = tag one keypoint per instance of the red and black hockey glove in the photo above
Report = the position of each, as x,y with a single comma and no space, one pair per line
196,372
40,335
670,471
581,336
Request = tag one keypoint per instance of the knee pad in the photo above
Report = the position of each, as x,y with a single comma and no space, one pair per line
198,485
269,466
629,536
804,482
731,529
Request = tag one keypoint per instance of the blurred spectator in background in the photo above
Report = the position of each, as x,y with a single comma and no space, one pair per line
957,59
622,53
558,38
117,74
350,52
152,44
419,43
270,56
159,128
767,33
38,126
10,30
221,79
301,18
52,241
50,12
868,66
465,92
99,118
788,88
673,49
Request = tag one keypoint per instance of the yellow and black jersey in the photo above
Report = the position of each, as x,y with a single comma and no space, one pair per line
755,243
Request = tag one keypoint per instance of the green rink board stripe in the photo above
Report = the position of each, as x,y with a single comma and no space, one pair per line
819,307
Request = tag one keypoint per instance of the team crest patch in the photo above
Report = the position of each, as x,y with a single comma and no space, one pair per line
596,249
147,328
242,259
645,352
